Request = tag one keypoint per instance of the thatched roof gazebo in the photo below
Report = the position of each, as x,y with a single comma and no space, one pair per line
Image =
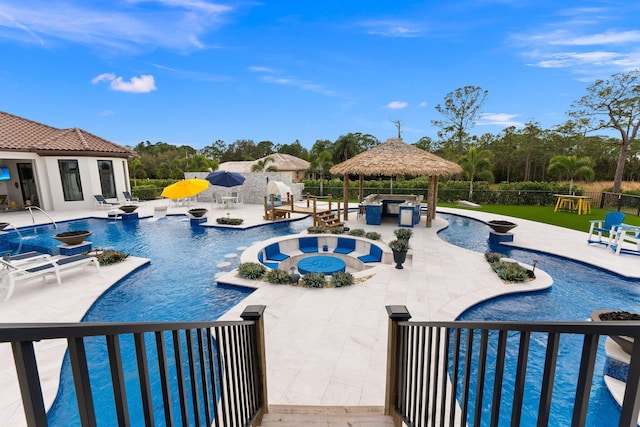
394,157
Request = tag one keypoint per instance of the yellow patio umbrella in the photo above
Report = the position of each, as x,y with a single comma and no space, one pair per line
185,188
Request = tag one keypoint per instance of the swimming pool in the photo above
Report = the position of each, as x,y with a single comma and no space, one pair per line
578,289
179,285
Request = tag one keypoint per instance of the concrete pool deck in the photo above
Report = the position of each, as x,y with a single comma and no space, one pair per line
324,346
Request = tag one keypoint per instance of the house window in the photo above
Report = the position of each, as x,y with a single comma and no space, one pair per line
107,183
71,184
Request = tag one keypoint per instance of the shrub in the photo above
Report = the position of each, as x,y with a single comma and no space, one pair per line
492,257
356,232
314,280
337,230
316,230
339,280
229,221
403,233
373,235
278,277
251,270
108,256
399,245
510,272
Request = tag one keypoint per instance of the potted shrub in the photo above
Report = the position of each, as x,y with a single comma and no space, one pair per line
73,237
403,233
400,247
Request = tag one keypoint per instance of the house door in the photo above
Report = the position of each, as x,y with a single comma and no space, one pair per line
28,184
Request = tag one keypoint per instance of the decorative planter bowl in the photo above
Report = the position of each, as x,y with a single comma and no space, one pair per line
3,225
73,237
198,212
128,208
500,226
626,343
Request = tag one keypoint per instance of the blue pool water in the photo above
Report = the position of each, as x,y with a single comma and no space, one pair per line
578,290
178,285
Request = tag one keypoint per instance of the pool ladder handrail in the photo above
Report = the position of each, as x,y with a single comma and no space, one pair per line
46,214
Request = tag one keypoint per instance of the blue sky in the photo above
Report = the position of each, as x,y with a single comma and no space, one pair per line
195,71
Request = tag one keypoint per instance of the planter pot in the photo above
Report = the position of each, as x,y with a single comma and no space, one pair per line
128,208
3,225
399,257
73,237
198,213
501,226
626,343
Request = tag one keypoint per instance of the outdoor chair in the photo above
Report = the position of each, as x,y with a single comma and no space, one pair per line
345,246
130,199
273,253
308,244
16,272
103,203
271,265
4,201
26,257
609,225
374,255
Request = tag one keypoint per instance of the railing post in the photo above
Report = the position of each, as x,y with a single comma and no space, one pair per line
255,313
397,313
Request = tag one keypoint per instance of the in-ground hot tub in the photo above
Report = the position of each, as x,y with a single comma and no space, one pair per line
326,264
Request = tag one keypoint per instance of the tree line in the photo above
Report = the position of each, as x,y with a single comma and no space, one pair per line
513,155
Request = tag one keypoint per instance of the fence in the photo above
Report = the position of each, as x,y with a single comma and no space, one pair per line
453,373
207,372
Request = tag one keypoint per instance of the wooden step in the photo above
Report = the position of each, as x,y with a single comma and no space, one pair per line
326,416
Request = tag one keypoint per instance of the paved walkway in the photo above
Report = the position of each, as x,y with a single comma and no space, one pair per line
324,346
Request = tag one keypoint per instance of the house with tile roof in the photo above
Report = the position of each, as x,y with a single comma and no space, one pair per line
58,169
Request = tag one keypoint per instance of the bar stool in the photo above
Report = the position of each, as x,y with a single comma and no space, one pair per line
586,206
567,204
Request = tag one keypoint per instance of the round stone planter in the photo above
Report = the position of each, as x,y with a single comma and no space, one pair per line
3,225
198,212
73,237
500,226
128,208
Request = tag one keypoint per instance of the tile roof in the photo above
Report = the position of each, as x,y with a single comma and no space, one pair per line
19,134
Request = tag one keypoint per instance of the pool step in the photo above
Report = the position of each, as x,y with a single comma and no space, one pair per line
326,416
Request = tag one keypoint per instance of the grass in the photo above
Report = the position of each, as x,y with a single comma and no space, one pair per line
546,215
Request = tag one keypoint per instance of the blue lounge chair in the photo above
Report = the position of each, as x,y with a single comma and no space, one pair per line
308,244
103,203
26,257
128,198
273,253
271,265
345,246
609,225
375,255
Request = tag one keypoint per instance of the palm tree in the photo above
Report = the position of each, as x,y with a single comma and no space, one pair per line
476,165
572,167
261,165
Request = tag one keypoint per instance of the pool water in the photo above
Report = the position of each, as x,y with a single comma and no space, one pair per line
178,285
578,289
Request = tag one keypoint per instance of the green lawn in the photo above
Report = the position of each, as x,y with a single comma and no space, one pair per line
545,214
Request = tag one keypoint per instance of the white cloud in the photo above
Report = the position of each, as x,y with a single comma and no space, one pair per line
498,119
143,84
397,105
422,104
391,28
113,26
260,69
300,84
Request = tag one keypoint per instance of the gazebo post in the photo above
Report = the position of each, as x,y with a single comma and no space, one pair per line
432,197
360,188
346,197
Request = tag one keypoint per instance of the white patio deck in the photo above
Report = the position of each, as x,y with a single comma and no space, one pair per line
324,346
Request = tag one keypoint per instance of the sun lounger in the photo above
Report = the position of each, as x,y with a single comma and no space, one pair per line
308,244
15,273
27,257
345,246
103,203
